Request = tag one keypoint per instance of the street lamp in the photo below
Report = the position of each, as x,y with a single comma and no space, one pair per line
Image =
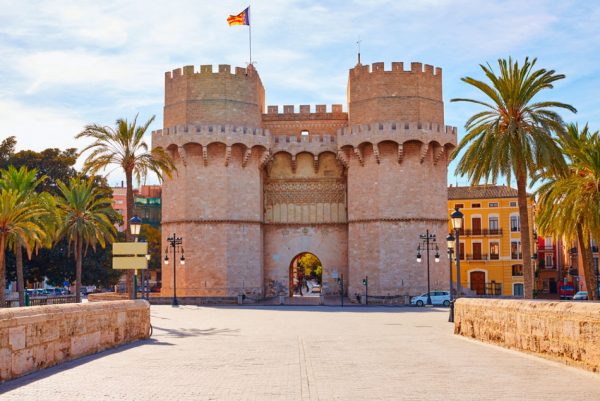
457,223
174,242
135,225
450,244
428,242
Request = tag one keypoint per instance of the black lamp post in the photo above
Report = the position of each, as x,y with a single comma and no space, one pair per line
135,225
174,242
450,244
428,242
457,223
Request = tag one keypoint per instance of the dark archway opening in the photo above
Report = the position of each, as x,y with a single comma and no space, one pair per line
306,275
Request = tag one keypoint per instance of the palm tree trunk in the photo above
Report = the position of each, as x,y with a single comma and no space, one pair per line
129,200
78,262
588,264
525,236
20,281
2,271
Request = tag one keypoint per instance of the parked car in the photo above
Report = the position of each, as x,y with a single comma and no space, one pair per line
566,291
580,296
437,298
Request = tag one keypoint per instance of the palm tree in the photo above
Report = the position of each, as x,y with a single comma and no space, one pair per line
125,148
512,135
20,221
569,199
85,214
25,182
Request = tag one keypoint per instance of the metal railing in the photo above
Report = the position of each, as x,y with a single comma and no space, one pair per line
39,301
487,289
481,231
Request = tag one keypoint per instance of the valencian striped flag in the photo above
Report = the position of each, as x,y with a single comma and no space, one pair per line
242,18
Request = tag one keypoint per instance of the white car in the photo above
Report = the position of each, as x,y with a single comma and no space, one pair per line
437,298
580,296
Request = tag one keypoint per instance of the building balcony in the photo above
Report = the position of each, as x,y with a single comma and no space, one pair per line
545,248
482,256
482,232
487,289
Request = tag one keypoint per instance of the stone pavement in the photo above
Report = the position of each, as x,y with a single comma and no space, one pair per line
305,353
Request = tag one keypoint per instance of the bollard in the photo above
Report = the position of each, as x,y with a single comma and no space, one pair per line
451,317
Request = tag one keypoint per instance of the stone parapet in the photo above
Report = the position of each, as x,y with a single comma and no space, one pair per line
565,331
37,337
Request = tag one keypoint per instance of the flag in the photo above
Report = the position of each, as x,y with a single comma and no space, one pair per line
242,18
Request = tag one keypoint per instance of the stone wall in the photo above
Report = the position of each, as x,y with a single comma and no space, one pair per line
563,331
37,337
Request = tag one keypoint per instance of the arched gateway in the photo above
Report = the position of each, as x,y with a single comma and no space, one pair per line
306,276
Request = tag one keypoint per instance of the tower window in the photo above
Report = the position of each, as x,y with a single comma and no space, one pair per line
304,132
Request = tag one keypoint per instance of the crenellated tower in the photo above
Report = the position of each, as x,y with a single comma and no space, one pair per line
212,128
258,187
396,151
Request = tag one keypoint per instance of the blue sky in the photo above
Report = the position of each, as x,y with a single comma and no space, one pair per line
65,64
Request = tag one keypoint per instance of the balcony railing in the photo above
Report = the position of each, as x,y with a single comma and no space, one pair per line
546,248
516,256
487,289
481,231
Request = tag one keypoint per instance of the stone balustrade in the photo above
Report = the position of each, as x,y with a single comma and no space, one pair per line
37,337
563,331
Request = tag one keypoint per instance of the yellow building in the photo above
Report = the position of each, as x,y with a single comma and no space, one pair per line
490,242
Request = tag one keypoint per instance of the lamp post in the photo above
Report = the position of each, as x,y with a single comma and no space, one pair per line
457,223
174,242
450,243
428,242
135,225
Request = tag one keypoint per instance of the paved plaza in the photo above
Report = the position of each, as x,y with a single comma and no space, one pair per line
305,353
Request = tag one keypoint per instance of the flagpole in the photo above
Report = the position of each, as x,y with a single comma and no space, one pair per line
250,34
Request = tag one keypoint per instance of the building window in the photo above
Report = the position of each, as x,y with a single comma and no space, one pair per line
493,224
515,250
461,252
518,290
494,251
549,262
459,205
304,132
514,223
475,205
493,204
513,204
596,272
517,270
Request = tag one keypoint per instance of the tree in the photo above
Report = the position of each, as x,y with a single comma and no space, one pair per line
19,221
84,221
512,136
124,147
569,199
52,163
7,149
25,182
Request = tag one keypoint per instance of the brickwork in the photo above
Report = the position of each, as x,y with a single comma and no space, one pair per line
253,189
377,95
37,337
563,331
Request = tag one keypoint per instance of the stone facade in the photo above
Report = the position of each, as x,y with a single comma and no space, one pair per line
563,331
255,189
41,336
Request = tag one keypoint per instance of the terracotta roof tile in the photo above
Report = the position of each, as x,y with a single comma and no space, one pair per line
482,192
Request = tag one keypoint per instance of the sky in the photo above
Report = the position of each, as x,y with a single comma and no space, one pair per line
65,64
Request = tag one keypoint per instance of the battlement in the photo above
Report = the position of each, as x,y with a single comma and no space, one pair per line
223,70
397,68
305,109
374,128
313,138
211,130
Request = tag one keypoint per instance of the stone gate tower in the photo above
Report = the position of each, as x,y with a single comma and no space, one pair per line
255,188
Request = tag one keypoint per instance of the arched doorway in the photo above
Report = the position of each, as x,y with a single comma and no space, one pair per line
306,275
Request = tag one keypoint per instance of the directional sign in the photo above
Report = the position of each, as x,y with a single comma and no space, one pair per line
130,255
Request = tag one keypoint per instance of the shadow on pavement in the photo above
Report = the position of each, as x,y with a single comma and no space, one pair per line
181,333
47,372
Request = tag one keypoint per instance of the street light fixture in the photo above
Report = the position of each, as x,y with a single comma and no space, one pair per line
135,226
457,224
428,243
174,242
450,244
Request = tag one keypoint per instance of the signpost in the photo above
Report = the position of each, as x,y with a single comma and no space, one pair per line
130,255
